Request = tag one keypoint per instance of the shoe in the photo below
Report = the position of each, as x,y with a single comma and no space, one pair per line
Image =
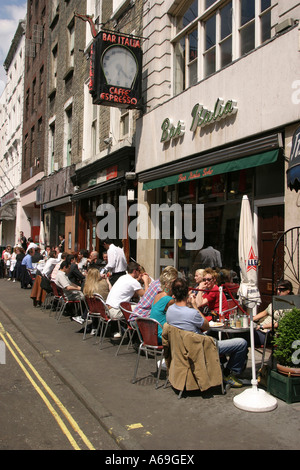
14,280
117,335
93,332
232,381
78,319
9,279
163,364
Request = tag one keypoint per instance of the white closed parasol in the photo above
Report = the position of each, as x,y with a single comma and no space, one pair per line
252,399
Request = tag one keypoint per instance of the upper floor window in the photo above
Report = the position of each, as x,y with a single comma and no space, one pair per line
210,34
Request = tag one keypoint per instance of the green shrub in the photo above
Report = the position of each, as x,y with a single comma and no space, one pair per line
287,333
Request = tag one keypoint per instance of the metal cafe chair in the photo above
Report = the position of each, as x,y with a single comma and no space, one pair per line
56,296
97,308
147,330
64,302
126,309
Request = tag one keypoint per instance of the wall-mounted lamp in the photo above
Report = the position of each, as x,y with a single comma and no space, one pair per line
108,141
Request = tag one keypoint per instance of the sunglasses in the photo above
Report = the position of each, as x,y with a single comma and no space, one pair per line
281,289
206,279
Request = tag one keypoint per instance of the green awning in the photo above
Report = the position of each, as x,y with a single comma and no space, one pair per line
226,167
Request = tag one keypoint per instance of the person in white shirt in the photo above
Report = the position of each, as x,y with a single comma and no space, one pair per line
125,288
50,264
31,245
72,291
116,261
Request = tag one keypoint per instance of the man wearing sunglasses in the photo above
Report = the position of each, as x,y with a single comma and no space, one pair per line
264,318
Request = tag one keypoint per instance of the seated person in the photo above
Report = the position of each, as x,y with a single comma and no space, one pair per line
50,264
125,288
95,284
211,297
72,291
144,305
191,319
26,265
82,259
93,261
264,318
161,303
75,276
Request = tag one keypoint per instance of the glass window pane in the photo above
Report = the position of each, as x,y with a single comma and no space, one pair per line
226,20
247,38
210,33
265,4
209,3
210,62
193,73
266,27
226,52
247,11
193,43
190,14
180,66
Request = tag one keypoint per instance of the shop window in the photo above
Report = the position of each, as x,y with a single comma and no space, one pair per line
274,186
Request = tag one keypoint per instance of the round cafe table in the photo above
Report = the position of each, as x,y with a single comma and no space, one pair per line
229,330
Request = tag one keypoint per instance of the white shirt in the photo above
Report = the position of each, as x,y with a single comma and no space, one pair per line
49,266
62,280
31,245
122,290
116,260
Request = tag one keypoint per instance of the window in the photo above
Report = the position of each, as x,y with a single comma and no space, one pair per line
68,134
51,146
33,103
210,34
71,41
124,123
94,130
41,89
253,26
54,66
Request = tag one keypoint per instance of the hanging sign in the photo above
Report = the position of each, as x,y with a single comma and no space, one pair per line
116,70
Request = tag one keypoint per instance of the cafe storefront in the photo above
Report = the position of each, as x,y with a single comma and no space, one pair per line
217,181
101,183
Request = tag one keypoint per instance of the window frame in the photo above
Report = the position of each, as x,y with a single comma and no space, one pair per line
181,64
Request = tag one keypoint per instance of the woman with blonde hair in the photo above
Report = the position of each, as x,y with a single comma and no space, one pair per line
94,284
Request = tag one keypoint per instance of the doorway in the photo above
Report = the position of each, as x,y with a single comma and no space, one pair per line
270,226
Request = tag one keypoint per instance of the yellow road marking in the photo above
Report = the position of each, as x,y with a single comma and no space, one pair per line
50,392
134,426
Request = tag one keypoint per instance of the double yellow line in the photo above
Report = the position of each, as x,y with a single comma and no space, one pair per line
14,349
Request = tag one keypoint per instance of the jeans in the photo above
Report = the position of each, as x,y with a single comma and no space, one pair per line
237,349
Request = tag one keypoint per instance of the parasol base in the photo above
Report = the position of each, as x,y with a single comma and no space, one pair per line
256,400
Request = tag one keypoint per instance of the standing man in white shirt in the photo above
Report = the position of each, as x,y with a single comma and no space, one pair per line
117,263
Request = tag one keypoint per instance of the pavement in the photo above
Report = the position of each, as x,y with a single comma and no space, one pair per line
139,416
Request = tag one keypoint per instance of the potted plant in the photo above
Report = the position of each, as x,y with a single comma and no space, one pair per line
284,382
286,343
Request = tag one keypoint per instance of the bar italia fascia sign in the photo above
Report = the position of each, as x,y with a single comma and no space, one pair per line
201,117
115,70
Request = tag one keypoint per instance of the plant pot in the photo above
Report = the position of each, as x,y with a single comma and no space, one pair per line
285,387
290,371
